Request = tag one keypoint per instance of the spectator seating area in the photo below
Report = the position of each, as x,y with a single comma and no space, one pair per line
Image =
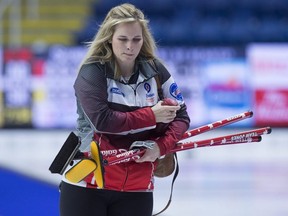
203,22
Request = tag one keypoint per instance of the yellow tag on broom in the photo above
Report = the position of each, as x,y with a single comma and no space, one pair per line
81,170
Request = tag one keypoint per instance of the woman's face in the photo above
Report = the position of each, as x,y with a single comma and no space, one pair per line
127,41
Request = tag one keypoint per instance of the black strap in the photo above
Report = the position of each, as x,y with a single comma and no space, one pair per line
161,96
172,186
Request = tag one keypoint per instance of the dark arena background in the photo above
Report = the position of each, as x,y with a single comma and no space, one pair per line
227,56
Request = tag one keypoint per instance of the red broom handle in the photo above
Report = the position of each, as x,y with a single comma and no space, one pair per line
217,141
217,124
137,153
124,157
238,138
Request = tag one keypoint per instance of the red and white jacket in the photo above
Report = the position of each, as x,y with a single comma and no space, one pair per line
115,114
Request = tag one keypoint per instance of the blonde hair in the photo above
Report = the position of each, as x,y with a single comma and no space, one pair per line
100,48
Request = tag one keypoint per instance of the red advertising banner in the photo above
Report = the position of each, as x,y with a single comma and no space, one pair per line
271,107
269,73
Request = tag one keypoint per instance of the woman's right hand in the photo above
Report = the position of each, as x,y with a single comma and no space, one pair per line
164,113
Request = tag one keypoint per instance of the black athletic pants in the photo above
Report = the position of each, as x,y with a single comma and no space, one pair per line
80,201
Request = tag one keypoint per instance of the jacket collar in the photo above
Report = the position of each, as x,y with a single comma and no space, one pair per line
145,67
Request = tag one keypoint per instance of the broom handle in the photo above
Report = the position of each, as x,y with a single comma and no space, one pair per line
217,124
237,138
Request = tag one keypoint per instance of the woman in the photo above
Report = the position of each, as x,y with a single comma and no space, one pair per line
118,104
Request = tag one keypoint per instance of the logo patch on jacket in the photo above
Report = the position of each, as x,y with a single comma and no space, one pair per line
150,96
175,92
116,91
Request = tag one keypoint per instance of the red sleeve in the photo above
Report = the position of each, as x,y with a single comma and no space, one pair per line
126,122
91,92
173,134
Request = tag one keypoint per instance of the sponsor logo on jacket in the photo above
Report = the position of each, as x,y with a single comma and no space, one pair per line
115,90
150,96
175,92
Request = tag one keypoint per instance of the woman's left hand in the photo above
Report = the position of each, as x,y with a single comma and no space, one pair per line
150,155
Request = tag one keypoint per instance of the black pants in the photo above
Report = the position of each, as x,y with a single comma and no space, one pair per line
79,201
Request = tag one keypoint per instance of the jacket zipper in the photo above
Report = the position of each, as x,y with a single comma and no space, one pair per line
126,178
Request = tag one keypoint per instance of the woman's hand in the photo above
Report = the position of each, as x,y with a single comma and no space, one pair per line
164,113
150,155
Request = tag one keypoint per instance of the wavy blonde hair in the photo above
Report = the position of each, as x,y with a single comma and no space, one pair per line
100,48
